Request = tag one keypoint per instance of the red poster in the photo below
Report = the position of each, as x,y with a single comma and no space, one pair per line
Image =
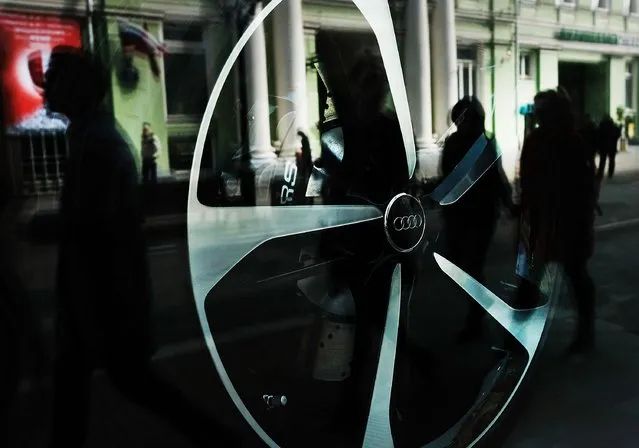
26,42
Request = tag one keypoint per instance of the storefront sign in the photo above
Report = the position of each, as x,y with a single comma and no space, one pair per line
596,38
26,44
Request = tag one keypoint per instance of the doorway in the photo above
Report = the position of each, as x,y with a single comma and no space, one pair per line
587,85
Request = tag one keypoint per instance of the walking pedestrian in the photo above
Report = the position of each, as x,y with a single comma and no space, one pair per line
468,244
557,203
103,291
609,134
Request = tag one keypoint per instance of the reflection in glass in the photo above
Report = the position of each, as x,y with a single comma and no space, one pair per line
293,278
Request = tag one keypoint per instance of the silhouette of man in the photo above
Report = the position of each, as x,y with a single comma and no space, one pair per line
468,244
558,201
374,161
609,134
103,283
373,170
590,136
303,155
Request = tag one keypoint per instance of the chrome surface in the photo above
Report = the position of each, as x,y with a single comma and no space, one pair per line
389,222
378,428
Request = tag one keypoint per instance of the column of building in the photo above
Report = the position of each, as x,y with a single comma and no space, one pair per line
417,74
290,74
444,58
260,146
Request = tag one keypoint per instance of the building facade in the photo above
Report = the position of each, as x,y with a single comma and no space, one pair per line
507,52
498,50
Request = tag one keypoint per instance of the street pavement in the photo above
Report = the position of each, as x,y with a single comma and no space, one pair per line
591,401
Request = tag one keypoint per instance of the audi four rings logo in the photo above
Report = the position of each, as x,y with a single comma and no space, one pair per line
402,223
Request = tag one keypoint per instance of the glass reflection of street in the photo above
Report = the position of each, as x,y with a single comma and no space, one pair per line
280,305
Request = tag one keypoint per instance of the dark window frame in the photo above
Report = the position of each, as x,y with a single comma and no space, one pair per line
184,41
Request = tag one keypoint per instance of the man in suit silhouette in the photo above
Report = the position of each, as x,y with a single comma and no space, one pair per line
103,282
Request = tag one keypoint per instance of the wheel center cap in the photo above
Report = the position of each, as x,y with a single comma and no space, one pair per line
404,222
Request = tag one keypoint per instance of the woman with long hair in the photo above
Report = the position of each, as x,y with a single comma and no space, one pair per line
558,197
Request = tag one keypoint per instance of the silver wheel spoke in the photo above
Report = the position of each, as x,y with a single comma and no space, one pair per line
378,428
475,163
527,326
219,237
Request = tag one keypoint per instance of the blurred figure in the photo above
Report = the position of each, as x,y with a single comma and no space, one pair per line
372,136
150,152
609,134
304,161
372,170
303,155
103,282
588,131
467,243
590,136
557,203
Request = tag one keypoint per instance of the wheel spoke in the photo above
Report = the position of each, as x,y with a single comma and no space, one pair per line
378,16
378,427
475,163
219,237
527,326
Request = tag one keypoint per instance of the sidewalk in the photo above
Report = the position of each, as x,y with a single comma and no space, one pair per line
627,162
575,404
584,403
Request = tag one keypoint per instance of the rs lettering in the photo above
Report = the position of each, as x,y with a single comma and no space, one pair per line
290,173
286,195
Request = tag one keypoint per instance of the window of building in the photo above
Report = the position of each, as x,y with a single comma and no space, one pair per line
466,78
183,32
181,148
525,65
570,3
633,6
466,71
185,71
601,4
629,84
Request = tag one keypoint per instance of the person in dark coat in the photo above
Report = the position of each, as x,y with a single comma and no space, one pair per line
557,203
609,134
374,162
589,133
372,171
303,156
103,308
590,136
468,245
